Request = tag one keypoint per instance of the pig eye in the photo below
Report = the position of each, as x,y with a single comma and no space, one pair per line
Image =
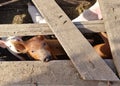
32,51
44,44
18,39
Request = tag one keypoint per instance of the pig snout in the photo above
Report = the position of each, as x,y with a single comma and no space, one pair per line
48,58
45,55
41,55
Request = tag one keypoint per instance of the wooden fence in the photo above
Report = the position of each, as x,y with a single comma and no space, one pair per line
89,65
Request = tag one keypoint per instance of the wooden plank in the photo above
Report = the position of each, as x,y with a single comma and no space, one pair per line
91,26
36,73
88,63
82,83
21,85
31,72
111,16
24,29
43,29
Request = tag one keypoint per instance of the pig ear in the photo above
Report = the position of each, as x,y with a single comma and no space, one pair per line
20,47
2,44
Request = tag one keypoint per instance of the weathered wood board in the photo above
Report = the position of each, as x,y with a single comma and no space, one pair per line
88,63
43,29
31,72
24,29
36,73
82,83
91,26
111,17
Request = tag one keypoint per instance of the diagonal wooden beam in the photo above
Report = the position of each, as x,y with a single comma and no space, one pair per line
88,63
111,14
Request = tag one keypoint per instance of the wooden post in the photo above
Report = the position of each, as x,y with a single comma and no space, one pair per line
111,15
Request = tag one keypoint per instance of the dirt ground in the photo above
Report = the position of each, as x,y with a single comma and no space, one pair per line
17,13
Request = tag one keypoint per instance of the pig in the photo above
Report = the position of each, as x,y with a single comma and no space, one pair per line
36,47
103,49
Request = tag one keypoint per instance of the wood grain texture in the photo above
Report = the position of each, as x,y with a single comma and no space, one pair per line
37,73
24,29
43,29
91,26
88,63
111,17
81,83
30,72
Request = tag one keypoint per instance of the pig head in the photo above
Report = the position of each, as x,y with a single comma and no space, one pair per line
36,47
